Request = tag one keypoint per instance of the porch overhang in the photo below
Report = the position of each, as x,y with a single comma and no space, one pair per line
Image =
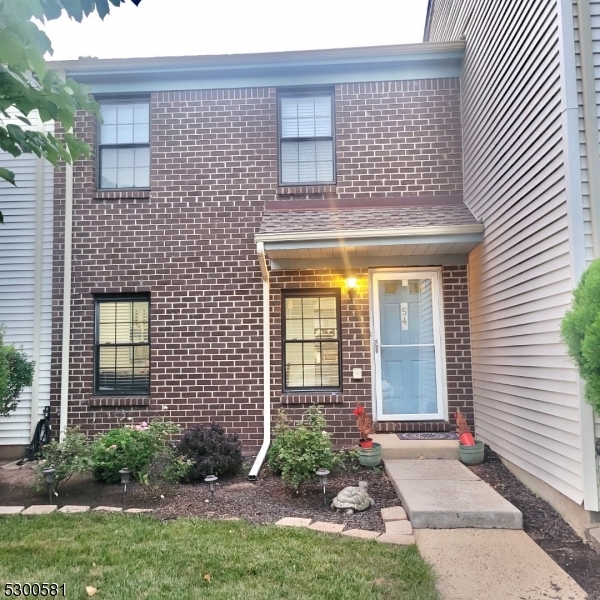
381,247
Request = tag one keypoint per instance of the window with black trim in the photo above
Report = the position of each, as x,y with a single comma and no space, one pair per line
311,334
124,145
122,345
306,139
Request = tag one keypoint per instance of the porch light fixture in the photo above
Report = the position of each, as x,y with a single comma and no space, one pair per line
211,480
322,475
351,285
125,476
49,476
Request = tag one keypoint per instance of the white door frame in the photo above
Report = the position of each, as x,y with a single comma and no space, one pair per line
435,274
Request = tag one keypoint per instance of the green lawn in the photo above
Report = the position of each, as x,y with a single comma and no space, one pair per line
139,557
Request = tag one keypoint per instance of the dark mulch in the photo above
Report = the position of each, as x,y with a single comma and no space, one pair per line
269,499
544,525
265,501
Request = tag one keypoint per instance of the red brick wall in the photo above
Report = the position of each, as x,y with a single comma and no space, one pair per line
190,243
356,352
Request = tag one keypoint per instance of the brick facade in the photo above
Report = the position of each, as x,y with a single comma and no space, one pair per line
189,243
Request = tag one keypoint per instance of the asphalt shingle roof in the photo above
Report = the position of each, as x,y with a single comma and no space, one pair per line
287,221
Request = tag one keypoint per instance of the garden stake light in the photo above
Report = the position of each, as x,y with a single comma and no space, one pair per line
322,475
49,475
125,475
211,479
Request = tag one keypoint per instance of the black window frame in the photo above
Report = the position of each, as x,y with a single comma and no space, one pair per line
312,92
99,299
99,145
304,293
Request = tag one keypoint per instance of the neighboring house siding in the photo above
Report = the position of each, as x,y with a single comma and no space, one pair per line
191,243
525,387
19,288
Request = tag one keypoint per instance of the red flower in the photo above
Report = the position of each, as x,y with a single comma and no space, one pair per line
359,410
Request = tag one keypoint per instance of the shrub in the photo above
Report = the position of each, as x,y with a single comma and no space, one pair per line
16,373
211,451
299,449
72,455
132,447
580,331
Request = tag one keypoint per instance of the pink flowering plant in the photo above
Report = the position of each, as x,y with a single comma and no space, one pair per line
136,447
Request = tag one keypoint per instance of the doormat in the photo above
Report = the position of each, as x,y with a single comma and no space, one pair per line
428,435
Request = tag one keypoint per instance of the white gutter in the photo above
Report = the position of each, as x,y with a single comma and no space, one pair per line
369,233
66,329
37,293
262,453
570,125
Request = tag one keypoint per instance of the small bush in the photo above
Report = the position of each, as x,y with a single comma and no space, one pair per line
580,331
16,373
133,448
72,455
211,451
299,449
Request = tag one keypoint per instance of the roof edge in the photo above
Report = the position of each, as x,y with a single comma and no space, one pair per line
370,233
168,63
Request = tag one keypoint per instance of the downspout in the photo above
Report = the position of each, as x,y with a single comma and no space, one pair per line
66,326
590,118
37,293
262,453
572,160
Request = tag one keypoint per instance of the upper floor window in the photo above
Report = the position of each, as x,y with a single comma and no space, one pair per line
122,345
306,148
124,145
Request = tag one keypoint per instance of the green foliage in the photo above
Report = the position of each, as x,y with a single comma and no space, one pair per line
26,84
580,331
211,451
72,455
134,448
299,449
16,373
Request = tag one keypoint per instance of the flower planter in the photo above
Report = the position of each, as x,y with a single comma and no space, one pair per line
370,457
472,455
366,443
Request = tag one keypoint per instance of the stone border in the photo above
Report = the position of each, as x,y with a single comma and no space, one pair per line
398,529
46,509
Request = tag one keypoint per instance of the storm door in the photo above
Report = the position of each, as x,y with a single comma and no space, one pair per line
409,381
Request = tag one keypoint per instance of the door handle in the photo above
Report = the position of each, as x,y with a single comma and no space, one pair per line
376,346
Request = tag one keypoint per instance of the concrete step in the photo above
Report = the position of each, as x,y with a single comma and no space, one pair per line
444,494
392,447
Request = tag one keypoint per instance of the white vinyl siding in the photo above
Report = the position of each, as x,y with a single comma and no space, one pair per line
525,387
18,286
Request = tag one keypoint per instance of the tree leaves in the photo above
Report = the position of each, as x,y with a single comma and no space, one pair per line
27,87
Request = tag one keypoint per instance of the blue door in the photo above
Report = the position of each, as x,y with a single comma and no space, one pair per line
406,347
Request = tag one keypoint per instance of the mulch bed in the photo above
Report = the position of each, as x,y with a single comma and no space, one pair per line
269,499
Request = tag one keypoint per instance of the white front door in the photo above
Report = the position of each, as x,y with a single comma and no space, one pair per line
408,346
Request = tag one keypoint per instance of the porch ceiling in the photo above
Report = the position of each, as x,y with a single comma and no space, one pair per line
431,235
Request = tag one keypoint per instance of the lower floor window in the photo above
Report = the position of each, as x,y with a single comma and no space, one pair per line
311,334
122,345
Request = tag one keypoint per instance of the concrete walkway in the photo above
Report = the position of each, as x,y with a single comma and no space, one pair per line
472,536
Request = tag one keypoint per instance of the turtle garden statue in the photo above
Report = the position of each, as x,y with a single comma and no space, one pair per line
353,499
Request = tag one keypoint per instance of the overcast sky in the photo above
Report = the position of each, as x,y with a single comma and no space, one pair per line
188,27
